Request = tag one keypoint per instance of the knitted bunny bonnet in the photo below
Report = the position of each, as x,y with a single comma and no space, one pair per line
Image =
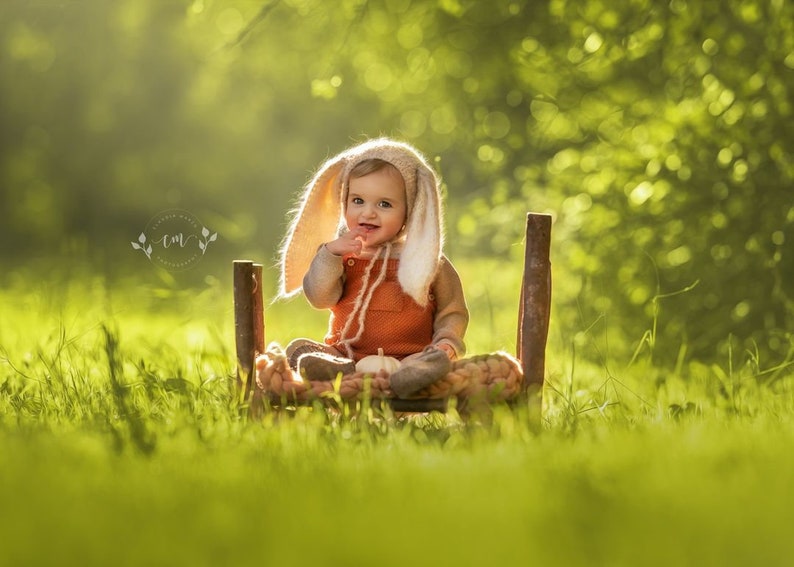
318,216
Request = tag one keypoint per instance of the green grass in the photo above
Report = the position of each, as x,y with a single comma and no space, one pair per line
119,444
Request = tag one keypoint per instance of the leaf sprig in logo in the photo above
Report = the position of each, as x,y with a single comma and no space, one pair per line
203,244
143,246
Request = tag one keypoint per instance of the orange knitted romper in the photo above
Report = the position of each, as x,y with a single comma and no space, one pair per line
393,320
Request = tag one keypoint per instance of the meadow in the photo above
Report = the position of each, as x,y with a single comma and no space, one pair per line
120,443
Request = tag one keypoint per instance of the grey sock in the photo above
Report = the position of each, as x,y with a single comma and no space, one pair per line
297,347
298,352
323,366
420,372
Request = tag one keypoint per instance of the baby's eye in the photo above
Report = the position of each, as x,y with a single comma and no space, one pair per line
385,204
357,201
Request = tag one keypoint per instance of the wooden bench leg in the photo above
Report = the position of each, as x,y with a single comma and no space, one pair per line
249,324
535,307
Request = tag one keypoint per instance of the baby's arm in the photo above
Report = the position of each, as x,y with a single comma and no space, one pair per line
323,283
452,315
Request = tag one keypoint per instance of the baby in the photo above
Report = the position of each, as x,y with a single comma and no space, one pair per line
366,243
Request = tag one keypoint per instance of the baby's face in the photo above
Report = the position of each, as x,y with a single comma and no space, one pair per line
376,207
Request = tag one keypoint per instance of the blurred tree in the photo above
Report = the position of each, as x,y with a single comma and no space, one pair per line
658,133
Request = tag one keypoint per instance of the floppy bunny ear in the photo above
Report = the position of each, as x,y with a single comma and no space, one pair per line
315,221
424,239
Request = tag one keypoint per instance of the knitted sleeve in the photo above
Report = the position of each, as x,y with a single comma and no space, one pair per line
323,284
452,315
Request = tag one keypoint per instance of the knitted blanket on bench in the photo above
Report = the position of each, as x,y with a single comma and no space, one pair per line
494,377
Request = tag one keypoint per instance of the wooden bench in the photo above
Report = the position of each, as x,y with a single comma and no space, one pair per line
533,321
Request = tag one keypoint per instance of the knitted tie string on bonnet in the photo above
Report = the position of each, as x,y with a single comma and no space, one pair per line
363,299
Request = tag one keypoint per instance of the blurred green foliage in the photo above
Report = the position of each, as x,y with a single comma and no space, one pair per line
658,133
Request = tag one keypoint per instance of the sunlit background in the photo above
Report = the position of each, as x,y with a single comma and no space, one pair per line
659,135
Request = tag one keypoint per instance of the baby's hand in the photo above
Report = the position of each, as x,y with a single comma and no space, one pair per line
448,350
350,243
